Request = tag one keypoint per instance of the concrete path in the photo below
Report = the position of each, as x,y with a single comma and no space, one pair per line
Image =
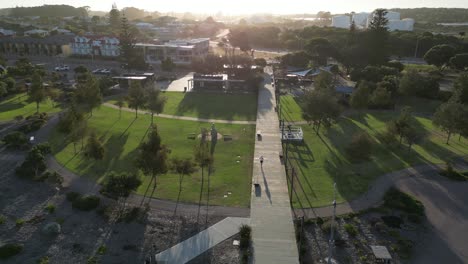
201,242
270,212
375,193
187,118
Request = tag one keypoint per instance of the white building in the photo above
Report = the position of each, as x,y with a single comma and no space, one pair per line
406,24
7,33
96,46
392,15
341,21
36,32
360,19
179,51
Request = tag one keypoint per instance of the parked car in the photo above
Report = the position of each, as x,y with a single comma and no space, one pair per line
62,68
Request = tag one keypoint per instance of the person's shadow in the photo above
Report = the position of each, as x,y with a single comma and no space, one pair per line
267,190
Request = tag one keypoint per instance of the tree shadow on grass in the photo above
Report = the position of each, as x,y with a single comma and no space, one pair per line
114,147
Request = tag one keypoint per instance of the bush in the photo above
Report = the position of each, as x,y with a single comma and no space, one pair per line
397,200
319,221
19,222
102,250
351,229
43,260
2,219
86,203
360,147
326,227
245,232
9,250
15,139
72,196
392,221
50,208
131,214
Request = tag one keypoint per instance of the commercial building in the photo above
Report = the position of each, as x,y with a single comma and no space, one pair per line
47,46
36,32
7,33
341,21
95,46
179,51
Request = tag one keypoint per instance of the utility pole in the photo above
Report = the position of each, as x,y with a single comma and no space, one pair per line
293,174
416,49
331,241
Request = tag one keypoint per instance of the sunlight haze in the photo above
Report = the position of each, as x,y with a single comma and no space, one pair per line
247,6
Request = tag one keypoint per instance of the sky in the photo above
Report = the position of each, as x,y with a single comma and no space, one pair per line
246,6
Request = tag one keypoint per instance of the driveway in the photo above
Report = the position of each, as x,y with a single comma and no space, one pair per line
446,204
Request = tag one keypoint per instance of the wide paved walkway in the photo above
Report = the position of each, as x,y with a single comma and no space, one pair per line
201,242
270,212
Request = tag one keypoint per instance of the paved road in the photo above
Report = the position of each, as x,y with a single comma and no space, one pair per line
271,217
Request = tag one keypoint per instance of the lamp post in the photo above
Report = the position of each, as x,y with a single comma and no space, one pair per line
331,241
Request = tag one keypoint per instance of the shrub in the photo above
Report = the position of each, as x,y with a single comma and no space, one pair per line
351,229
91,260
86,203
72,196
453,174
392,221
326,226
131,214
245,232
15,139
398,200
102,250
2,219
50,208
319,221
43,260
19,222
9,250
360,147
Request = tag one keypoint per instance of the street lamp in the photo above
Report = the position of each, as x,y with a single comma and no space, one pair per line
331,241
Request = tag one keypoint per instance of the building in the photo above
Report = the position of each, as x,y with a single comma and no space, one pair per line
7,33
47,46
95,46
406,24
341,21
179,51
360,19
36,32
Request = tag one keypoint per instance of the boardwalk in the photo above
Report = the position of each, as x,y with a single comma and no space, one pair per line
270,214
201,242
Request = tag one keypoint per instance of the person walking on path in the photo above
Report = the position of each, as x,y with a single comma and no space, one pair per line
261,161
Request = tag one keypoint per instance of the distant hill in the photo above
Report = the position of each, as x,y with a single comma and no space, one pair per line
46,10
434,15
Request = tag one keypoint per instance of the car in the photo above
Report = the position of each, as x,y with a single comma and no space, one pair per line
62,68
97,71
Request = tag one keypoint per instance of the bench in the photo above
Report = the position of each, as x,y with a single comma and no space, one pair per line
227,137
191,136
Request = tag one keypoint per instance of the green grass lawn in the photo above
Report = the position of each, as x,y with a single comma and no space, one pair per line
210,105
290,108
17,105
420,67
122,136
322,158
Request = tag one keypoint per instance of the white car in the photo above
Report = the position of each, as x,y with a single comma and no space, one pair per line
62,68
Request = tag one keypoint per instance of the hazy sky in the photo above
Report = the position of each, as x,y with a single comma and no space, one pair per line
246,6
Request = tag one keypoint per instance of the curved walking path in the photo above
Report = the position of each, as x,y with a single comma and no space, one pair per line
186,118
375,193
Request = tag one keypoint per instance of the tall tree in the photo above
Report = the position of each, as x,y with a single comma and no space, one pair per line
37,92
320,49
114,18
183,167
127,44
378,37
449,116
321,107
401,125
120,103
155,102
459,61
152,157
439,55
460,88
324,82
361,95
94,148
87,94
136,96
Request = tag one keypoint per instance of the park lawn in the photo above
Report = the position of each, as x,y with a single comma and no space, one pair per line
122,136
290,108
420,67
18,105
323,158
239,107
